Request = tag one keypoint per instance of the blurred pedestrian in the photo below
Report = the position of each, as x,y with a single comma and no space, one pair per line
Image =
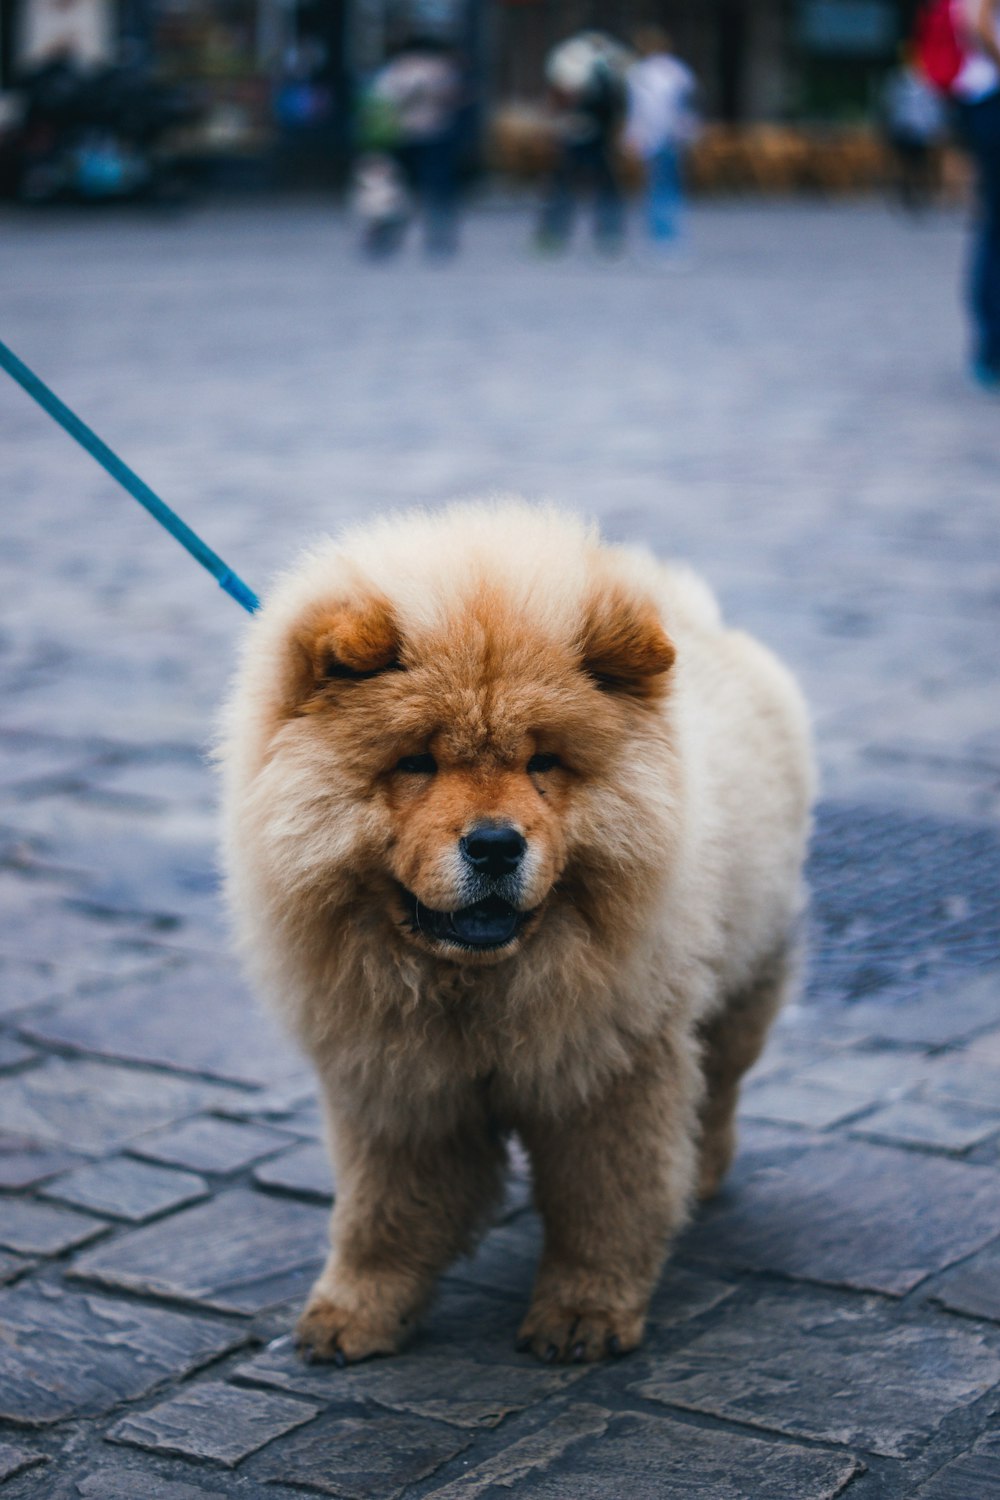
976,90
586,78
914,121
381,202
662,122
416,99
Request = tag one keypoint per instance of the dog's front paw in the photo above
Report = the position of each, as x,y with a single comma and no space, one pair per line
578,1334
329,1331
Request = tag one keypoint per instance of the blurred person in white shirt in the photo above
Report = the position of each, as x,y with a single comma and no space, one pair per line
661,123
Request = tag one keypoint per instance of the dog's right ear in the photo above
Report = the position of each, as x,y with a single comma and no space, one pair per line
344,643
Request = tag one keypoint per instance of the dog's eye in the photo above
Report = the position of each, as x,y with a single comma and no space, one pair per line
417,765
544,761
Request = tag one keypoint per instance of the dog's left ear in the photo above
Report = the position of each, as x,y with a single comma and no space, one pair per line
625,647
345,643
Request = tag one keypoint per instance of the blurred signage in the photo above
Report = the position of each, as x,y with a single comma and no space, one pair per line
863,28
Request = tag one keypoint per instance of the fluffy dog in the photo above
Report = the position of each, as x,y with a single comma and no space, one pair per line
514,838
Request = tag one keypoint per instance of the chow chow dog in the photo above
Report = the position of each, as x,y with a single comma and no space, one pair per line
514,832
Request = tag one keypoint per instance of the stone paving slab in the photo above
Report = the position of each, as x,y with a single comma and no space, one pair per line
15,1460
852,1215
95,1106
974,1287
212,1421
202,1020
70,1355
973,1476
107,1484
937,1126
839,1373
361,1458
460,1391
208,1145
240,1253
647,1458
40,1229
129,1190
12,1266
304,1172
25,1162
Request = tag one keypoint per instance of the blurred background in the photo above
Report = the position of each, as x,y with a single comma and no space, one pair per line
269,92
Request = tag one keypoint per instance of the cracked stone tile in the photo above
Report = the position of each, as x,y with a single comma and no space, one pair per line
39,1229
974,1287
361,1458
459,1391
917,1122
24,1162
94,1106
849,1214
305,1172
530,1455
205,1144
648,1458
213,1421
16,1460
67,1354
242,1252
837,1373
129,1190
200,1018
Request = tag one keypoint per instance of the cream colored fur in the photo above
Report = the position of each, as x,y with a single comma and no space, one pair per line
665,889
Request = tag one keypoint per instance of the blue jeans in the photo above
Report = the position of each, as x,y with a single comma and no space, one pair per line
980,123
664,195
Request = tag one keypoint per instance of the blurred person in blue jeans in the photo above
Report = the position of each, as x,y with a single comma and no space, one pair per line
662,122
417,98
586,78
976,92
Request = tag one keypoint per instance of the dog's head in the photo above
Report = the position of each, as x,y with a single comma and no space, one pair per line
461,765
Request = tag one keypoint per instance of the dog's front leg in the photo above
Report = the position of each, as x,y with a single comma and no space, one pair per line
405,1207
613,1183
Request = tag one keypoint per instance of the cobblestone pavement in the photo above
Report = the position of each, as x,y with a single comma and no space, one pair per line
788,411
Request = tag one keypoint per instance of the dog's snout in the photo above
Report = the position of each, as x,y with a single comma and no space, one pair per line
493,849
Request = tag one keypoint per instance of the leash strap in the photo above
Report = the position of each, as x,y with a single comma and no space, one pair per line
71,423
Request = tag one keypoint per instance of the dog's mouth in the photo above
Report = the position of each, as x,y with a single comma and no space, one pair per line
488,924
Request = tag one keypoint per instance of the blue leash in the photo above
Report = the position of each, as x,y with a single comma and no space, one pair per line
49,401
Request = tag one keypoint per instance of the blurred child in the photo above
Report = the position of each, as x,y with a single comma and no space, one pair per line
382,204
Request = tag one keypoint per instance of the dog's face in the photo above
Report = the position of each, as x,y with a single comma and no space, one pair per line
475,758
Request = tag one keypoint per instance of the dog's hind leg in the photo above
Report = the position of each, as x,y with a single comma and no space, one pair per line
731,1043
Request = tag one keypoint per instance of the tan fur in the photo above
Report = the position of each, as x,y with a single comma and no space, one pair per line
663,875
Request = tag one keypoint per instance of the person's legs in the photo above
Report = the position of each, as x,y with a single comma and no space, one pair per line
558,205
609,209
663,197
981,125
438,189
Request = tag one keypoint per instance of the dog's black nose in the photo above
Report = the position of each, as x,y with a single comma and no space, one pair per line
493,849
